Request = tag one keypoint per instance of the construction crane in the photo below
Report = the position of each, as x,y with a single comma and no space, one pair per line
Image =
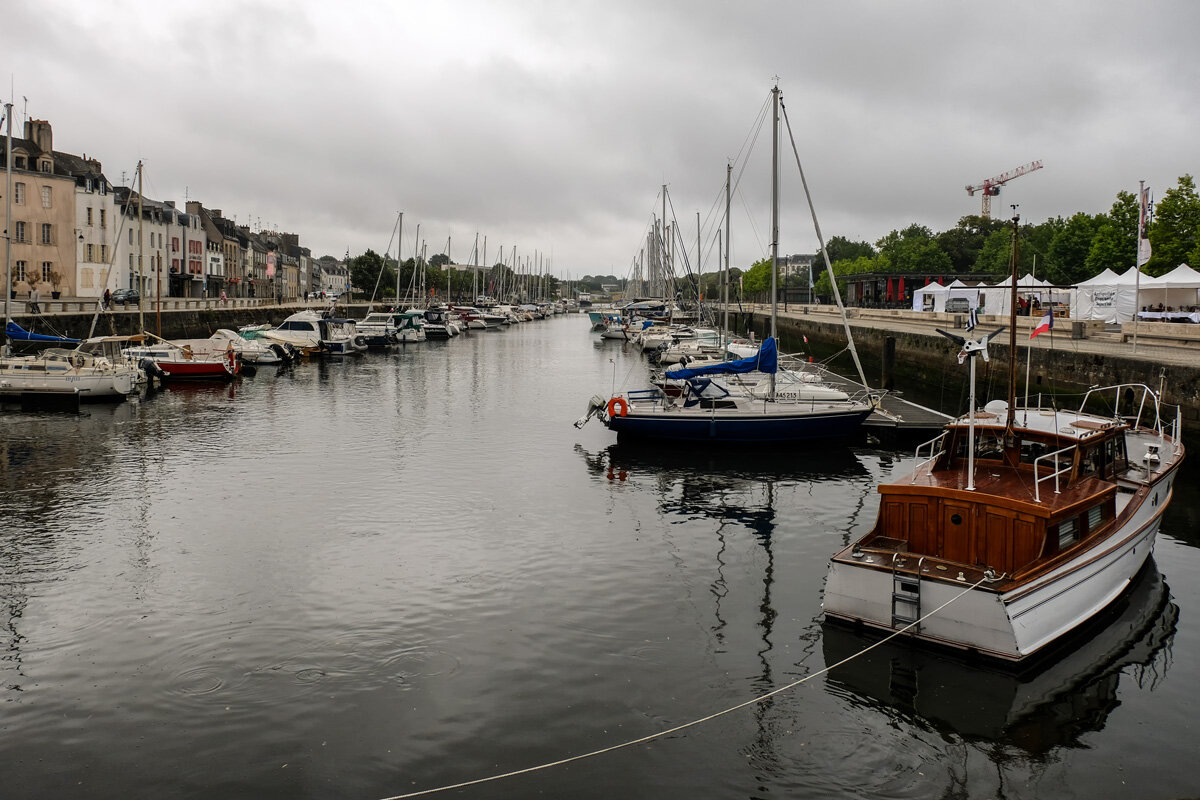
991,186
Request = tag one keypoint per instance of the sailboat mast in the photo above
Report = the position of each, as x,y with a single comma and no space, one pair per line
399,257
8,223
1012,328
774,204
141,250
725,280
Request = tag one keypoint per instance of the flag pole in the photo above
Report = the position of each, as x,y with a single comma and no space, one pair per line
1138,261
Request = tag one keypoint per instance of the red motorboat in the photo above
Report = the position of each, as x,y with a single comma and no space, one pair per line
180,363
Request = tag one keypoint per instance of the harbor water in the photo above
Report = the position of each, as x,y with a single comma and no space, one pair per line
367,578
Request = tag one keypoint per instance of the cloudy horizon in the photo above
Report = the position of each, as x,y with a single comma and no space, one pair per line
553,127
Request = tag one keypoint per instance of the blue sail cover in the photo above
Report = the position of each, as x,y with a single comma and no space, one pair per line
766,360
18,334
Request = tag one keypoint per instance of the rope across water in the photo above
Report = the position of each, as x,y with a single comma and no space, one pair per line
692,723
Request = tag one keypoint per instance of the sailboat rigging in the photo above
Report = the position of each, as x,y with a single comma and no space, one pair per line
739,401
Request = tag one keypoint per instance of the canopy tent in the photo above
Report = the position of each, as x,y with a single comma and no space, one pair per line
995,299
1106,297
959,290
930,298
1176,290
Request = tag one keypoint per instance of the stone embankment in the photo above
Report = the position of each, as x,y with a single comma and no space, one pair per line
195,319
905,347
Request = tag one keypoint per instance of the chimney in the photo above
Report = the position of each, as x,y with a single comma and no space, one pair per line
40,133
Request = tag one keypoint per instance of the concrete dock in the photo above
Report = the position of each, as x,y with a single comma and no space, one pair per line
1072,357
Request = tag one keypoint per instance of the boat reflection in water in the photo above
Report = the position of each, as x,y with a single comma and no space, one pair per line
1049,705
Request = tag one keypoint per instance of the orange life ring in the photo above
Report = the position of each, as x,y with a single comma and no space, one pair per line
615,404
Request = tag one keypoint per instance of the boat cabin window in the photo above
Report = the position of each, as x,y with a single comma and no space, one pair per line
1095,517
1068,533
988,444
1032,449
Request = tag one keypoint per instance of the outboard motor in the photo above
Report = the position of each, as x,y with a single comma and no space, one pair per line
152,371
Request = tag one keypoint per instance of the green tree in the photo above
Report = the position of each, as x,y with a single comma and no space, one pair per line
963,242
369,270
1174,232
1115,244
913,250
1069,249
842,249
757,279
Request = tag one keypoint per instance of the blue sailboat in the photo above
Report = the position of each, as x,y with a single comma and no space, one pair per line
18,334
726,402
748,400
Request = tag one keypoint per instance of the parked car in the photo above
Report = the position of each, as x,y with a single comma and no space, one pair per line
125,296
958,305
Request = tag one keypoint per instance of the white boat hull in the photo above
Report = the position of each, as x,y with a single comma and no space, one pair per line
1013,625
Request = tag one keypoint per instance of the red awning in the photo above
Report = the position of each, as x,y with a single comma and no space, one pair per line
889,289
900,290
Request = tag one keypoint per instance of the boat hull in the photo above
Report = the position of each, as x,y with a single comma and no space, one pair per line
111,384
1012,625
740,426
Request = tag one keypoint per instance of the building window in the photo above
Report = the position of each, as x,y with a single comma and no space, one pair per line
47,233
103,254
20,268
45,166
103,217
19,193
89,216
131,237
19,232
46,195
91,253
174,244
46,269
131,262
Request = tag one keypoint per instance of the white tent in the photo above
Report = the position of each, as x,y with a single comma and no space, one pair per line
930,298
959,290
1105,297
1177,290
995,299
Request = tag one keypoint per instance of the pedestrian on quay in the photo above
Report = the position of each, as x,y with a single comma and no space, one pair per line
224,299
107,299
33,301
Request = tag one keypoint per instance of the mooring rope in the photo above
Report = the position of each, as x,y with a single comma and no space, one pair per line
692,723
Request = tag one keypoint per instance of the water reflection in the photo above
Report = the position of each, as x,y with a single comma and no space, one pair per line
1051,706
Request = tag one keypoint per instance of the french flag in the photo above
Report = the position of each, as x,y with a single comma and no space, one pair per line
1046,324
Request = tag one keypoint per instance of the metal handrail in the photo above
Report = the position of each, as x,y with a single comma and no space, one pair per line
934,451
1037,495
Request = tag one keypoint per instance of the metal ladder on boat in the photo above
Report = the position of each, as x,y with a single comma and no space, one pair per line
906,594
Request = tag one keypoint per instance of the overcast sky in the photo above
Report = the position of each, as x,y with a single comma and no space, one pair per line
552,126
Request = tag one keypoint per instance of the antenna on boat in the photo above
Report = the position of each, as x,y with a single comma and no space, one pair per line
970,349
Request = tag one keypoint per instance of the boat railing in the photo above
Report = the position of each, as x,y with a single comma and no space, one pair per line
1148,413
1058,471
653,396
934,446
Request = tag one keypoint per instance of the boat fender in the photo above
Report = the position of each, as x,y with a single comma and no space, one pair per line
617,407
231,360
360,341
